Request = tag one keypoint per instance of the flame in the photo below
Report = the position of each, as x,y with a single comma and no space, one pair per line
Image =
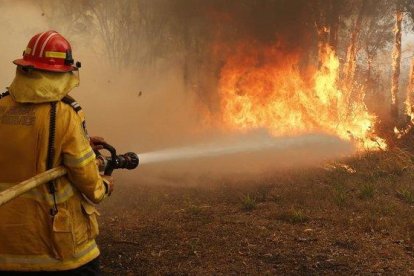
335,166
264,87
408,107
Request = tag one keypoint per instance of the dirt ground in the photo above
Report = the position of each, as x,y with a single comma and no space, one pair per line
354,217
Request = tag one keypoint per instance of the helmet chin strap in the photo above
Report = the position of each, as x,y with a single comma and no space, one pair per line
77,74
27,69
69,60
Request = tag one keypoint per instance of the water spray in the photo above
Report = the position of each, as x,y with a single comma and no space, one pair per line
249,144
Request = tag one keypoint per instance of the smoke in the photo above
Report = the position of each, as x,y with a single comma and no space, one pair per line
19,21
266,21
158,107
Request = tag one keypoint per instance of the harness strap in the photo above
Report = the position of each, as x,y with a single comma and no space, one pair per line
72,102
77,108
51,154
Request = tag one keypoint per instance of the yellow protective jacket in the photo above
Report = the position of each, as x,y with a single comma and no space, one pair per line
31,239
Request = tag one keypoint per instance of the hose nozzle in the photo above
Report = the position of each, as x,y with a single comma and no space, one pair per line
127,161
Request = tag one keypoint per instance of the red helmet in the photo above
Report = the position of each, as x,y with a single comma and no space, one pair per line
48,51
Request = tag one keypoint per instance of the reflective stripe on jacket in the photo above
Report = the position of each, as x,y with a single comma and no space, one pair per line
30,238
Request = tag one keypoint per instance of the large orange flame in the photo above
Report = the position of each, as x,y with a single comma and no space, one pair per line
264,87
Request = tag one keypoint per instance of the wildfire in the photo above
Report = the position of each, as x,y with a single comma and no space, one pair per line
409,107
265,87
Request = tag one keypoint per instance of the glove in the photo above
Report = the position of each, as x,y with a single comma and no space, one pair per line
109,184
96,139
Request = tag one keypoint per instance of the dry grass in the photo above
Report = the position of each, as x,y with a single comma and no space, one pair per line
293,216
248,203
353,217
407,195
367,191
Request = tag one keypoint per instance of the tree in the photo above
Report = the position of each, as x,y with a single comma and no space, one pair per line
396,61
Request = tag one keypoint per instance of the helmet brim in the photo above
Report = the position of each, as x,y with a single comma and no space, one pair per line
44,67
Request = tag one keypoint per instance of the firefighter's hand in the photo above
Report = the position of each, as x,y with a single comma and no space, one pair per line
96,139
109,184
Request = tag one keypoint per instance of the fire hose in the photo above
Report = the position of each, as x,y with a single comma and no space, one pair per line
127,161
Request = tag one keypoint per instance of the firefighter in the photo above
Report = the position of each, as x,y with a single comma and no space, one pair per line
53,227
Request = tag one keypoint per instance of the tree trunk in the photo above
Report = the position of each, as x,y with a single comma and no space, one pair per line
369,69
409,102
351,56
409,107
333,21
396,61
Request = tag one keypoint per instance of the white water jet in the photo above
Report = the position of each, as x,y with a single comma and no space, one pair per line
329,145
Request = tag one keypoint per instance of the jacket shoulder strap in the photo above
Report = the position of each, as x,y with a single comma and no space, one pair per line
51,155
4,94
72,102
